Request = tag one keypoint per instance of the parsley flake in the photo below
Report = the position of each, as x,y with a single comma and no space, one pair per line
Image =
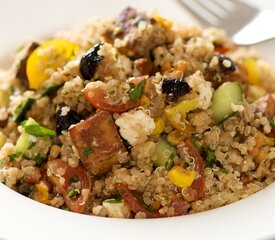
136,91
210,158
73,192
15,155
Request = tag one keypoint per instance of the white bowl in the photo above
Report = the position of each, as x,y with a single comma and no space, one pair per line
25,219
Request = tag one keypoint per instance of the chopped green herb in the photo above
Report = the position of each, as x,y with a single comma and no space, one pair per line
135,92
197,136
50,90
39,159
32,144
64,208
73,192
210,158
21,47
1,162
74,179
113,200
21,110
87,151
39,131
223,170
272,123
15,155
149,208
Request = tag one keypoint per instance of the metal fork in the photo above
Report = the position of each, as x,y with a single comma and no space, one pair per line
244,23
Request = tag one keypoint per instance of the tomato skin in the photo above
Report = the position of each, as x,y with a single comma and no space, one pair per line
97,98
197,189
54,166
136,205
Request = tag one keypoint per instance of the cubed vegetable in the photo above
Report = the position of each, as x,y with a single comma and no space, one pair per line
160,126
4,97
176,113
52,54
2,139
227,94
42,193
250,65
164,154
97,142
181,177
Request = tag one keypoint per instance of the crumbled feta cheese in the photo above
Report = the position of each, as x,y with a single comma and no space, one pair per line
64,110
198,84
135,126
116,209
97,210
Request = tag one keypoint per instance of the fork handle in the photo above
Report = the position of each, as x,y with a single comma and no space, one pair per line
257,30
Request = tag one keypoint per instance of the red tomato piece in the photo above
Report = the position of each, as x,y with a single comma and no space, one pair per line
97,98
62,183
136,205
196,190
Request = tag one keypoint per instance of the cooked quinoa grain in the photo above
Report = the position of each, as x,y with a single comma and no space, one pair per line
137,117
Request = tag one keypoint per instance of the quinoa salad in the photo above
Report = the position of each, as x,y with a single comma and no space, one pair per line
137,117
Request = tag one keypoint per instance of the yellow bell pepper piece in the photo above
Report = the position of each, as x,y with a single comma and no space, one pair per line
144,101
2,139
42,193
51,55
268,140
176,114
181,177
250,65
175,137
164,22
160,126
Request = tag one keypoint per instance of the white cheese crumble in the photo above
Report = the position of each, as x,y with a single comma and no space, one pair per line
135,126
198,84
116,210
65,110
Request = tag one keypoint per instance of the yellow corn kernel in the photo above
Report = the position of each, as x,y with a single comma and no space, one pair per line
181,177
48,57
176,114
255,92
181,65
250,65
144,101
175,137
268,140
160,126
2,139
42,193
164,22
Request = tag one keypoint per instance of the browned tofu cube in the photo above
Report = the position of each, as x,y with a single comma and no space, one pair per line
97,142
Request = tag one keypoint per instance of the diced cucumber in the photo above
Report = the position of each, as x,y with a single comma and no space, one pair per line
223,97
4,97
21,110
23,142
164,154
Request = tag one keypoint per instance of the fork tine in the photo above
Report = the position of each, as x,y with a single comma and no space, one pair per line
199,12
227,5
213,7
